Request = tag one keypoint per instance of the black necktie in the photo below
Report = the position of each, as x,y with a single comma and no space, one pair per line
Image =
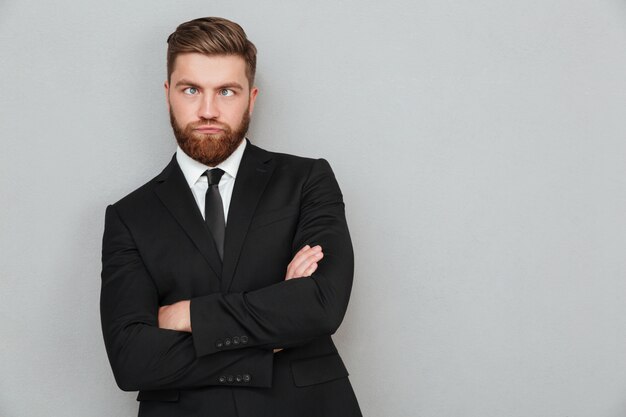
214,209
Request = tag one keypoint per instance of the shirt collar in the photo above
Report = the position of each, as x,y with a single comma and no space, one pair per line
192,169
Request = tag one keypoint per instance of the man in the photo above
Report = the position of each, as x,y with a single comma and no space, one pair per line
224,277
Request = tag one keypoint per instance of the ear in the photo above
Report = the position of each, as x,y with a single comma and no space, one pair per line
253,94
166,85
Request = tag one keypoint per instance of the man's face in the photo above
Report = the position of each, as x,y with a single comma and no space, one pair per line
210,102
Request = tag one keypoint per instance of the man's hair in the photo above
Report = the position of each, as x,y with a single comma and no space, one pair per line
211,36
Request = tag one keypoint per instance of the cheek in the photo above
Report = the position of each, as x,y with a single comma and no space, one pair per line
183,111
235,114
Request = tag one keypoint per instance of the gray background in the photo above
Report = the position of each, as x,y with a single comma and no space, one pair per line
479,144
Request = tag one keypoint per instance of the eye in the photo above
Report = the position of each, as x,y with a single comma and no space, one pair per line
225,92
190,91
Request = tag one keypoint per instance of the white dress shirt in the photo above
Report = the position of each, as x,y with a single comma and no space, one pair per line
193,170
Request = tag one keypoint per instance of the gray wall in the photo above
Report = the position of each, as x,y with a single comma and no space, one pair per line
479,144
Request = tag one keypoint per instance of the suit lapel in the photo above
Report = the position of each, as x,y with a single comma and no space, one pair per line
253,175
174,192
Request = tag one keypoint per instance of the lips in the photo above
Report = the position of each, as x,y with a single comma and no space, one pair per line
208,129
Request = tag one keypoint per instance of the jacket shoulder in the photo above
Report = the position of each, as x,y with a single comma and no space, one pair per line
145,191
290,161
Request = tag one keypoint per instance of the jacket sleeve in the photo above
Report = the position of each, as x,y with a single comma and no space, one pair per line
296,310
142,356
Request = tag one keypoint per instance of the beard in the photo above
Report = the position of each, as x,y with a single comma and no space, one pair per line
209,148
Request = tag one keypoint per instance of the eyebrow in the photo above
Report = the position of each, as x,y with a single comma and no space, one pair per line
193,84
185,82
231,85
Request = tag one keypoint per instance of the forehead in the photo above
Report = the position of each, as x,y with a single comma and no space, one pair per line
209,70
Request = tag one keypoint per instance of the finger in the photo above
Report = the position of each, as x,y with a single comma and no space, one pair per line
307,263
297,259
302,273
306,256
302,251
301,257
306,251
291,269
309,271
304,265
291,272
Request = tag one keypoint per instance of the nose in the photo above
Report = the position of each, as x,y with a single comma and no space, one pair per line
208,108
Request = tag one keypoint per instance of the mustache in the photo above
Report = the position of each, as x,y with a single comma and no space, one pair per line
208,123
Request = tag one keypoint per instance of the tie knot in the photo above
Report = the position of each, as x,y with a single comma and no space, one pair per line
213,175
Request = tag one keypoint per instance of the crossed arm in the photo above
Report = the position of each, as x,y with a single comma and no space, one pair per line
177,316
147,354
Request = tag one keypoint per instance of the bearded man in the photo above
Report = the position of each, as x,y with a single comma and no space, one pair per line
224,277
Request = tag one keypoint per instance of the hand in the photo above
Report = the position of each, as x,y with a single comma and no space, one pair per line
304,263
176,316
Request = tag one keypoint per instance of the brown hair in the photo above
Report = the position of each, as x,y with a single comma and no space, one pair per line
211,36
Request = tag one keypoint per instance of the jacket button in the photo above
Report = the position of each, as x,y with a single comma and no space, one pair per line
230,379
235,340
246,378
238,378
219,344
227,342
222,379
244,339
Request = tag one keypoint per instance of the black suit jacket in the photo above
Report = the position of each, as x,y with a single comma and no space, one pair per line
157,251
